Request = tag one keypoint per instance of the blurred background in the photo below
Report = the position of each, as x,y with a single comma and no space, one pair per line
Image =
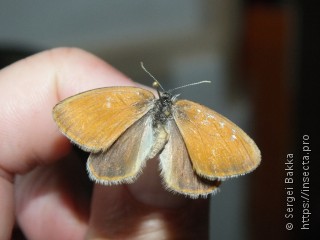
259,55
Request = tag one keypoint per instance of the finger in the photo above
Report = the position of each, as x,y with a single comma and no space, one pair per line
6,205
116,214
51,204
29,90
146,211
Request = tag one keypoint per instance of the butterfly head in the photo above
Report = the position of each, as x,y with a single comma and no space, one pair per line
163,105
164,96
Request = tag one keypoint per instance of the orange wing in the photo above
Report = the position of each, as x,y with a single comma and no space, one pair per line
217,147
96,118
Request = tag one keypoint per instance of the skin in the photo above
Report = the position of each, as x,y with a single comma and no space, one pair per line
44,188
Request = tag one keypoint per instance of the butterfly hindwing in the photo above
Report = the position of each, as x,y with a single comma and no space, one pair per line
176,167
126,157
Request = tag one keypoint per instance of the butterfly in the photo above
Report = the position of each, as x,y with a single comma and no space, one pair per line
123,127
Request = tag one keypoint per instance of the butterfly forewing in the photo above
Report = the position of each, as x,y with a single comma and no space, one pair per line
96,118
217,147
176,167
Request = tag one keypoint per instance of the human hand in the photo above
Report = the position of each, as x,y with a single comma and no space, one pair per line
43,185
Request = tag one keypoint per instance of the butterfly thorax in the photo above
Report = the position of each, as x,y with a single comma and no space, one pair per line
163,108
161,113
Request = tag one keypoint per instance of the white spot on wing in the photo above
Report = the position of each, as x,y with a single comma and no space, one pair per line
108,102
210,116
221,124
233,137
213,151
205,122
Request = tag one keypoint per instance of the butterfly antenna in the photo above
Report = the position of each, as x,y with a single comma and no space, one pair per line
156,84
190,84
